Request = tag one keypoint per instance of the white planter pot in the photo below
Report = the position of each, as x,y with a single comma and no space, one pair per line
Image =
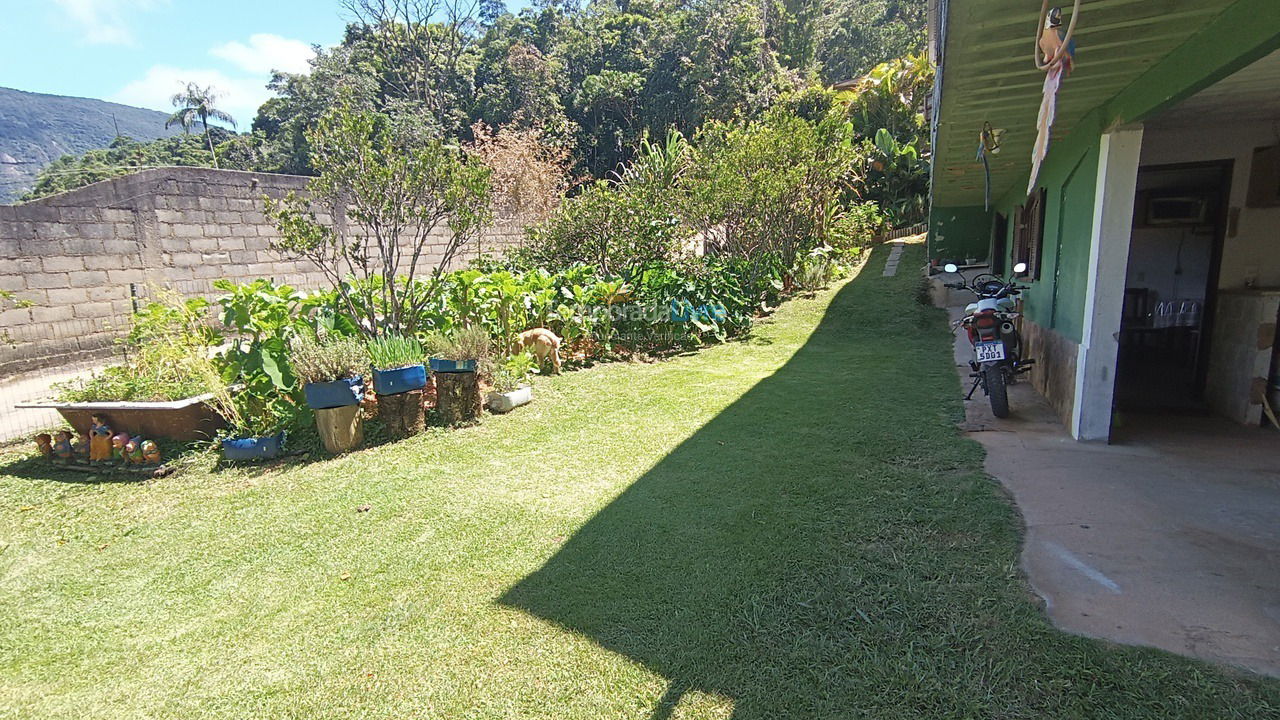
508,401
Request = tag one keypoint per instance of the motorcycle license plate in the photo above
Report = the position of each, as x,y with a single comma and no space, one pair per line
990,351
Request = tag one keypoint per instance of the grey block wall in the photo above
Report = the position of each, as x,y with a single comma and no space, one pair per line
74,256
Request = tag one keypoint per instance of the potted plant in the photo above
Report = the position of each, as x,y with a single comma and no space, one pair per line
398,378
397,364
255,423
509,389
331,370
454,359
458,352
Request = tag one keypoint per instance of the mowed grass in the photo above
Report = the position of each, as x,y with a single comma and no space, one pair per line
785,527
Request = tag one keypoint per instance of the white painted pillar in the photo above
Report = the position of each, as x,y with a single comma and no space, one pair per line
1104,294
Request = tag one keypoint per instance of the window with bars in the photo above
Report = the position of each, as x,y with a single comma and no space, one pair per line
1028,235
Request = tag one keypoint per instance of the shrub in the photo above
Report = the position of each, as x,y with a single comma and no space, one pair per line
529,177
765,189
331,358
395,351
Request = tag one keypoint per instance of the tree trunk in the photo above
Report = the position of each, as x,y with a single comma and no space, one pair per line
458,397
402,413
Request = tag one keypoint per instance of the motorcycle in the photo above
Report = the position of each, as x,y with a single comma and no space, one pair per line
997,347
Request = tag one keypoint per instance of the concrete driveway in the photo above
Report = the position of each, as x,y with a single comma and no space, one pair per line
1168,537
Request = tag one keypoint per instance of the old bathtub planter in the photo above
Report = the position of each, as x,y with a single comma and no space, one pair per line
253,448
184,420
441,365
400,380
503,402
334,393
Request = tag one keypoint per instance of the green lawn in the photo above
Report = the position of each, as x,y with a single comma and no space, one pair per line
786,527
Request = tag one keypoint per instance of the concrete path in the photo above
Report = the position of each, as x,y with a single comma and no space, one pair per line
895,255
1169,537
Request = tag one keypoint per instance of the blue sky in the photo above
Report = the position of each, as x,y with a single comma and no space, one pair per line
140,52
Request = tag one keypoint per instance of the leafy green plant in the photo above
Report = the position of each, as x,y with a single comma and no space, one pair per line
327,359
395,351
512,372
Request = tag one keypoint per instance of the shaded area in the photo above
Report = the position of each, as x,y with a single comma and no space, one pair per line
828,547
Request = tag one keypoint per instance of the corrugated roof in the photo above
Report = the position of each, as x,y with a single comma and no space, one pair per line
988,75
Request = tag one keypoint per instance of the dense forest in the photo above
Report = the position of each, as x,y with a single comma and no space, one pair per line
593,80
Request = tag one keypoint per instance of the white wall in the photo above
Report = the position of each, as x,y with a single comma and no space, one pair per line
1255,249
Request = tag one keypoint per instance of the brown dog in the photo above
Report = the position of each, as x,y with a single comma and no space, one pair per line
543,344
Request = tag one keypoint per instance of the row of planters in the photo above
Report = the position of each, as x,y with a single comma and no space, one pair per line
337,374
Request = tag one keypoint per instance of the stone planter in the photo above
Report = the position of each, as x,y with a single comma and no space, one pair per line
399,380
253,448
335,393
183,420
508,401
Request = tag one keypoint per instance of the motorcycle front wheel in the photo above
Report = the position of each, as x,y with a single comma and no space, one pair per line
996,391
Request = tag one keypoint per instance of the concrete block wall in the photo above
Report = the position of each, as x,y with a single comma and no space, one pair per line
73,257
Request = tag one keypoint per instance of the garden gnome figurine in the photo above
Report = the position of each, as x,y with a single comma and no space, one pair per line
62,445
150,452
118,442
99,440
45,442
133,450
80,448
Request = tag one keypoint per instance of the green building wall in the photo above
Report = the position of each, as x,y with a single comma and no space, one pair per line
958,234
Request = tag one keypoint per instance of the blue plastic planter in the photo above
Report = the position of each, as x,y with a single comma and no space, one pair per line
336,393
452,366
393,382
253,448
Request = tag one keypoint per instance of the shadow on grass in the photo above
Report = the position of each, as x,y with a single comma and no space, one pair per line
783,555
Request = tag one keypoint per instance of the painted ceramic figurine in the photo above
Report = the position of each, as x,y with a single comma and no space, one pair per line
62,445
150,452
45,442
133,453
118,441
99,440
80,448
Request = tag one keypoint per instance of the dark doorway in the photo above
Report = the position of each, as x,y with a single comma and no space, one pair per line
1171,285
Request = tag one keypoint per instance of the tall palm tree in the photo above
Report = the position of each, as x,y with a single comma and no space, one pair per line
197,102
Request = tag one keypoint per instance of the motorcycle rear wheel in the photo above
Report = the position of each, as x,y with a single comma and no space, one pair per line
996,391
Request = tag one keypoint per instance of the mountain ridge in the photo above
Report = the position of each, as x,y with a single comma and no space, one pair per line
38,128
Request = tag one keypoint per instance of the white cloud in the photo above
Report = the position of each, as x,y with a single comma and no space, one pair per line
240,90
104,22
265,53
238,96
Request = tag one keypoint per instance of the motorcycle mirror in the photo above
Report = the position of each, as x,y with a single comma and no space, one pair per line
950,267
1020,268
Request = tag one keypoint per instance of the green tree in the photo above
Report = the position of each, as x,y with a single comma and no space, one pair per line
394,192
194,103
